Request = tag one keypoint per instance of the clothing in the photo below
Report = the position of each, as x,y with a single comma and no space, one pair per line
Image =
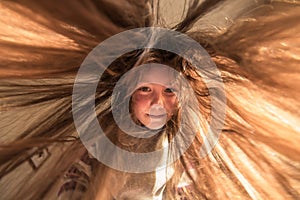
76,180
124,185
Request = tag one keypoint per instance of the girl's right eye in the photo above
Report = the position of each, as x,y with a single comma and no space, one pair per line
145,89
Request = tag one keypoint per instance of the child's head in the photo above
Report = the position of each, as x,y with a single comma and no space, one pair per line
154,101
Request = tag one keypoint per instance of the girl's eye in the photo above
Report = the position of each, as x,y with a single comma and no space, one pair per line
145,89
169,90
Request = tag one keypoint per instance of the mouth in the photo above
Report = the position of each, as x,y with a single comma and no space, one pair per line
157,116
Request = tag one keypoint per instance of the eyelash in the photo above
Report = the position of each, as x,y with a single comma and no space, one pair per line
169,90
145,89
148,89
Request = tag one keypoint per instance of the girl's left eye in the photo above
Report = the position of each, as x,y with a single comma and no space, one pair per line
170,90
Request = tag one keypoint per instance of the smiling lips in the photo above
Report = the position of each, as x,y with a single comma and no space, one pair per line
160,116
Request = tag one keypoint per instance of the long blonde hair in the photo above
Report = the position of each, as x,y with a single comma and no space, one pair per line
254,44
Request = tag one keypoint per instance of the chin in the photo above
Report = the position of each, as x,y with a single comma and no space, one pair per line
155,127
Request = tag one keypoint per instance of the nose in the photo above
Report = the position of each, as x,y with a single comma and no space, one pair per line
157,99
157,105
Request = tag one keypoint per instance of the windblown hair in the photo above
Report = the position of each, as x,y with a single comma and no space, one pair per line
255,45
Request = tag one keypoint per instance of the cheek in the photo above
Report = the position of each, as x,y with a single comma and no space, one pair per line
139,107
171,105
139,103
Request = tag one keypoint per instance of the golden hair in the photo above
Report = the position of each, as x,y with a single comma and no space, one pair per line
255,45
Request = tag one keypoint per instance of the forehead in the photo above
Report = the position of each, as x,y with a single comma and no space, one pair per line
157,73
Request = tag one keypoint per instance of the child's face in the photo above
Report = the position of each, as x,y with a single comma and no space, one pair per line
154,101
